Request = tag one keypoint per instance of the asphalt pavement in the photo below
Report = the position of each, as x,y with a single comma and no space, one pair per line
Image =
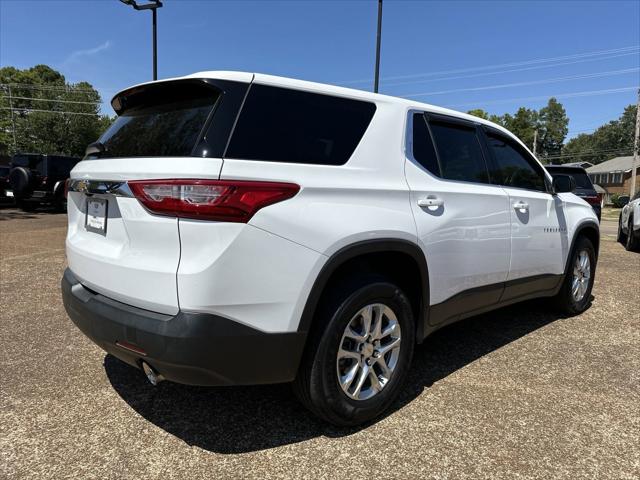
517,393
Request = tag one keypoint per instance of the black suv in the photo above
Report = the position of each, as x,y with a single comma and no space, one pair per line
37,179
584,187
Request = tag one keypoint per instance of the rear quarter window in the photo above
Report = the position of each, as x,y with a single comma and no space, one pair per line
283,125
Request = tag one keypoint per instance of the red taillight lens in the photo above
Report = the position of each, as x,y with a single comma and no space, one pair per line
221,200
592,199
44,180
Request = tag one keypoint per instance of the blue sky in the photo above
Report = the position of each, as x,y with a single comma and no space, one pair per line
494,54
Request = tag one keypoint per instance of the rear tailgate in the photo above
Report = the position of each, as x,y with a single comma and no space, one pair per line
164,130
136,258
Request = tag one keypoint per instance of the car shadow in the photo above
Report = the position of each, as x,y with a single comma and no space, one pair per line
10,212
245,419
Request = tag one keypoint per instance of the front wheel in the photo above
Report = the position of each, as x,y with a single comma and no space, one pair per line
632,242
575,294
622,237
355,366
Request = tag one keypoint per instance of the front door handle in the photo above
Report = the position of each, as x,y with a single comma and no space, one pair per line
522,206
430,201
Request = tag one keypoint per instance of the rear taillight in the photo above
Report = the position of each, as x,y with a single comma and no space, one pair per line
221,200
592,199
66,187
44,180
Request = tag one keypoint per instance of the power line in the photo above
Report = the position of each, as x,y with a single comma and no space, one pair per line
33,86
497,72
47,111
50,100
503,65
532,82
588,93
586,154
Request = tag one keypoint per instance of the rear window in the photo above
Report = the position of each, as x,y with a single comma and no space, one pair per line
459,152
282,125
160,120
581,178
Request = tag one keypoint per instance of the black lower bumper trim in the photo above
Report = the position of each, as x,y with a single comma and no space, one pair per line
190,348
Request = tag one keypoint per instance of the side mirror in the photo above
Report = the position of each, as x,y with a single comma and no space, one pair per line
563,183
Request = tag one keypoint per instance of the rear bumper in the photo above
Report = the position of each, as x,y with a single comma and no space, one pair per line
189,348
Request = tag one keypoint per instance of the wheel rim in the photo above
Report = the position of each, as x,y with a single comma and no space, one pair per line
368,352
581,276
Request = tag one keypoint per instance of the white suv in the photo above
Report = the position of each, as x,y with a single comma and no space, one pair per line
232,228
629,224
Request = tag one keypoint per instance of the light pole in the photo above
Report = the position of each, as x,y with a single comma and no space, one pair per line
378,39
153,5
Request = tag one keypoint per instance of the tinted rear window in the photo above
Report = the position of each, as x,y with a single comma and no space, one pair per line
581,178
160,120
459,152
423,150
282,125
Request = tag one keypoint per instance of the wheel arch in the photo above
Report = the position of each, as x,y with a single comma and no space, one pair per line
392,255
590,230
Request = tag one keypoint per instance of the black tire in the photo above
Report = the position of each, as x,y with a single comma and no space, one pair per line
564,300
632,243
316,384
622,237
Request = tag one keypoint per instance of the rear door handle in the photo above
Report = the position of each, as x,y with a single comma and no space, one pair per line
430,201
522,206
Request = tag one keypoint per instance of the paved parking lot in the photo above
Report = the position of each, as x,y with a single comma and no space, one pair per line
512,394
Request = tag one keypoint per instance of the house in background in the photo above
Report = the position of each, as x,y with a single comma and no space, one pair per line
614,176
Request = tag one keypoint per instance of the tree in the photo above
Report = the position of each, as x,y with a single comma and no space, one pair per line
45,114
478,112
523,124
610,140
553,128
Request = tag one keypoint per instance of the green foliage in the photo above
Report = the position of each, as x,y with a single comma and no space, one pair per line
478,112
32,118
523,124
553,128
610,140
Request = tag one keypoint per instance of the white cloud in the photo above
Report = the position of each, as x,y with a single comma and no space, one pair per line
88,52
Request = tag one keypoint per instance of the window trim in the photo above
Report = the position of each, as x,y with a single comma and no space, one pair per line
486,130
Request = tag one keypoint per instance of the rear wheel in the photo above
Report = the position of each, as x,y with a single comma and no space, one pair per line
575,295
354,367
632,243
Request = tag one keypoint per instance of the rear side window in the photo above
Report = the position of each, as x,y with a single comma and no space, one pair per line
282,125
511,168
459,152
581,178
161,120
422,145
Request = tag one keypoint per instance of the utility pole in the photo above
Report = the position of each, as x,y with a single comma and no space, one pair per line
13,121
378,39
535,142
634,162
